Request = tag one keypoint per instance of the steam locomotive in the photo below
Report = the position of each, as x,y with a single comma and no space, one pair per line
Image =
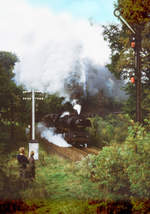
71,125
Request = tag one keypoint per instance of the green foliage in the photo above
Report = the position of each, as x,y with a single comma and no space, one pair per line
63,207
56,179
123,63
7,86
102,130
9,97
146,103
57,187
118,41
107,170
136,154
114,128
8,181
130,104
122,171
135,11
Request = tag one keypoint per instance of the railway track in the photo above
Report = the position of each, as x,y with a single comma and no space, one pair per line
70,153
92,150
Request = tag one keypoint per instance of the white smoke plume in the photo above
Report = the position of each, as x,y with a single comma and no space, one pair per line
76,106
49,134
49,46
64,114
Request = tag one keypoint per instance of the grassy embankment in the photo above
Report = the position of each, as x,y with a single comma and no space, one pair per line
58,188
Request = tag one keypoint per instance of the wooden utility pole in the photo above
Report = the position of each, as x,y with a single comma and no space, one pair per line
138,74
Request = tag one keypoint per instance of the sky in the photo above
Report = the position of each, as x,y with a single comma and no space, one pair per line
97,10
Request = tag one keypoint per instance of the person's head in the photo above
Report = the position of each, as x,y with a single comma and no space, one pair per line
21,150
32,153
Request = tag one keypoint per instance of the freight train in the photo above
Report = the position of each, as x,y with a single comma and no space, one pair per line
72,126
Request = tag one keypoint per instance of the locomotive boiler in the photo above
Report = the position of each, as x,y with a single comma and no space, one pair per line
72,126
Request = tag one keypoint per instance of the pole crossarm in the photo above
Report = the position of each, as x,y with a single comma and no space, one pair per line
29,97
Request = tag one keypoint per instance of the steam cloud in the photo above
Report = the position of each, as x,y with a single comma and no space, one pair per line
76,106
51,48
48,133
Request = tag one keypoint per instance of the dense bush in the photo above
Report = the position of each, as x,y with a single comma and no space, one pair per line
113,128
122,170
107,169
136,155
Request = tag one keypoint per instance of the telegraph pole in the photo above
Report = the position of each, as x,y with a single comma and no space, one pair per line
137,33
33,115
33,145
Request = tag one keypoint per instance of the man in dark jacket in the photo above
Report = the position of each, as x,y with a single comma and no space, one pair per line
23,161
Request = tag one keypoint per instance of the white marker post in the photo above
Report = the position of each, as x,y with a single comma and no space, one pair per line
33,146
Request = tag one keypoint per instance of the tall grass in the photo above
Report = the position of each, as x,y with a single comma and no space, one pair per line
58,187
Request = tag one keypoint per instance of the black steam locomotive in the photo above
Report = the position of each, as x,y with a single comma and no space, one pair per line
71,125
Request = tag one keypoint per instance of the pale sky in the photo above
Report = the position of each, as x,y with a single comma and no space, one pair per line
98,10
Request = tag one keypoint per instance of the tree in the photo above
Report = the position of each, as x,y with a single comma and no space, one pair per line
123,56
8,94
134,11
7,62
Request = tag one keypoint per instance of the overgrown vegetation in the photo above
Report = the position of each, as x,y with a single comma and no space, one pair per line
112,128
118,174
57,187
122,171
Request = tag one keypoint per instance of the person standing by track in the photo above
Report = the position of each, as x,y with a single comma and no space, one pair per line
23,162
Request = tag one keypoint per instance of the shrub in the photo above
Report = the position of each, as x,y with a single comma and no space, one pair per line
114,128
107,169
122,170
136,155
